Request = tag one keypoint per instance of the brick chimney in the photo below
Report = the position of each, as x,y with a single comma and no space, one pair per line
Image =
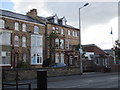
32,13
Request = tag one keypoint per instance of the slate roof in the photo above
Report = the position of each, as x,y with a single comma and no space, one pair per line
27,18
18,16
47,20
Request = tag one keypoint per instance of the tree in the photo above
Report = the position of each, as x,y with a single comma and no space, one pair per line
117,49
51,45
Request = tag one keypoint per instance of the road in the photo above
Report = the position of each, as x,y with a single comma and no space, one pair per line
87,80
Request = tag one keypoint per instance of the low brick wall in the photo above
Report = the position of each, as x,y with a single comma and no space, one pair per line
25,74
115,68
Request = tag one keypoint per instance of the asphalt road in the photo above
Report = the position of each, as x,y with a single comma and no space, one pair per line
87,80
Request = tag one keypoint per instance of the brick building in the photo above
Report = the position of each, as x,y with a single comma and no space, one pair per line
100,56
96,58
24,39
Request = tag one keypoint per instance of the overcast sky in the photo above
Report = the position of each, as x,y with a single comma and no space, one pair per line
97,18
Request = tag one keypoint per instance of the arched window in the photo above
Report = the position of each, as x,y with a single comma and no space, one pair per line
36,29
23,41
2,23
16,41
57,43
16,26
24,27
62,44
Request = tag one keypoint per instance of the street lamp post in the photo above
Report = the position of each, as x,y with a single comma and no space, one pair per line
81,66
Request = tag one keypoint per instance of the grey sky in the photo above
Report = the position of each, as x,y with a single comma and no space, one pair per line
95,13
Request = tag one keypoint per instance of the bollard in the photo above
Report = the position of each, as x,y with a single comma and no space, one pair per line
41,80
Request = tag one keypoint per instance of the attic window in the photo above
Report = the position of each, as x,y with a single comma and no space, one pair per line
55,19
63,21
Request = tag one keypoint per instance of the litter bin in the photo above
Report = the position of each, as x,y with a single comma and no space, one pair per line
41,80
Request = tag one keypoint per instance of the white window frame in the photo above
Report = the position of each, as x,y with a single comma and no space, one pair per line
16,26
61,43
73,33
71,60
67,44
36,29
5,38
62,31
69,32
56,19
2,23
16,39
24,41
57,43
5,54
24,27
57,58
62,58
97,61
36,58
35,39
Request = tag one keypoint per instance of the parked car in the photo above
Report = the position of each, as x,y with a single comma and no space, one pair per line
59,65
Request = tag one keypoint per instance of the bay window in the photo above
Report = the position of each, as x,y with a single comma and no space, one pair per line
36,41
36,58
5,38
5,55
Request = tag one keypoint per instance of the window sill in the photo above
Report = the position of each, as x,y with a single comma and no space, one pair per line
5,64
37,64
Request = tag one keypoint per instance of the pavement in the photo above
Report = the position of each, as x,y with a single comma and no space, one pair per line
87,80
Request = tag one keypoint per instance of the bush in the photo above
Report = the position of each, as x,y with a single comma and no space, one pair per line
22,64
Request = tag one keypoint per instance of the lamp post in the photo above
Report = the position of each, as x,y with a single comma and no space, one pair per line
81,66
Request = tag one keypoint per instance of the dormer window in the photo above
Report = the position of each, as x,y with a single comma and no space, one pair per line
56,19
63,21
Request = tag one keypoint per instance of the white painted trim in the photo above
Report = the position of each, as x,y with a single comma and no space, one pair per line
5,64
2,30
22,20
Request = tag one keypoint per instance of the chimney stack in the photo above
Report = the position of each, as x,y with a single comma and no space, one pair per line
32,13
